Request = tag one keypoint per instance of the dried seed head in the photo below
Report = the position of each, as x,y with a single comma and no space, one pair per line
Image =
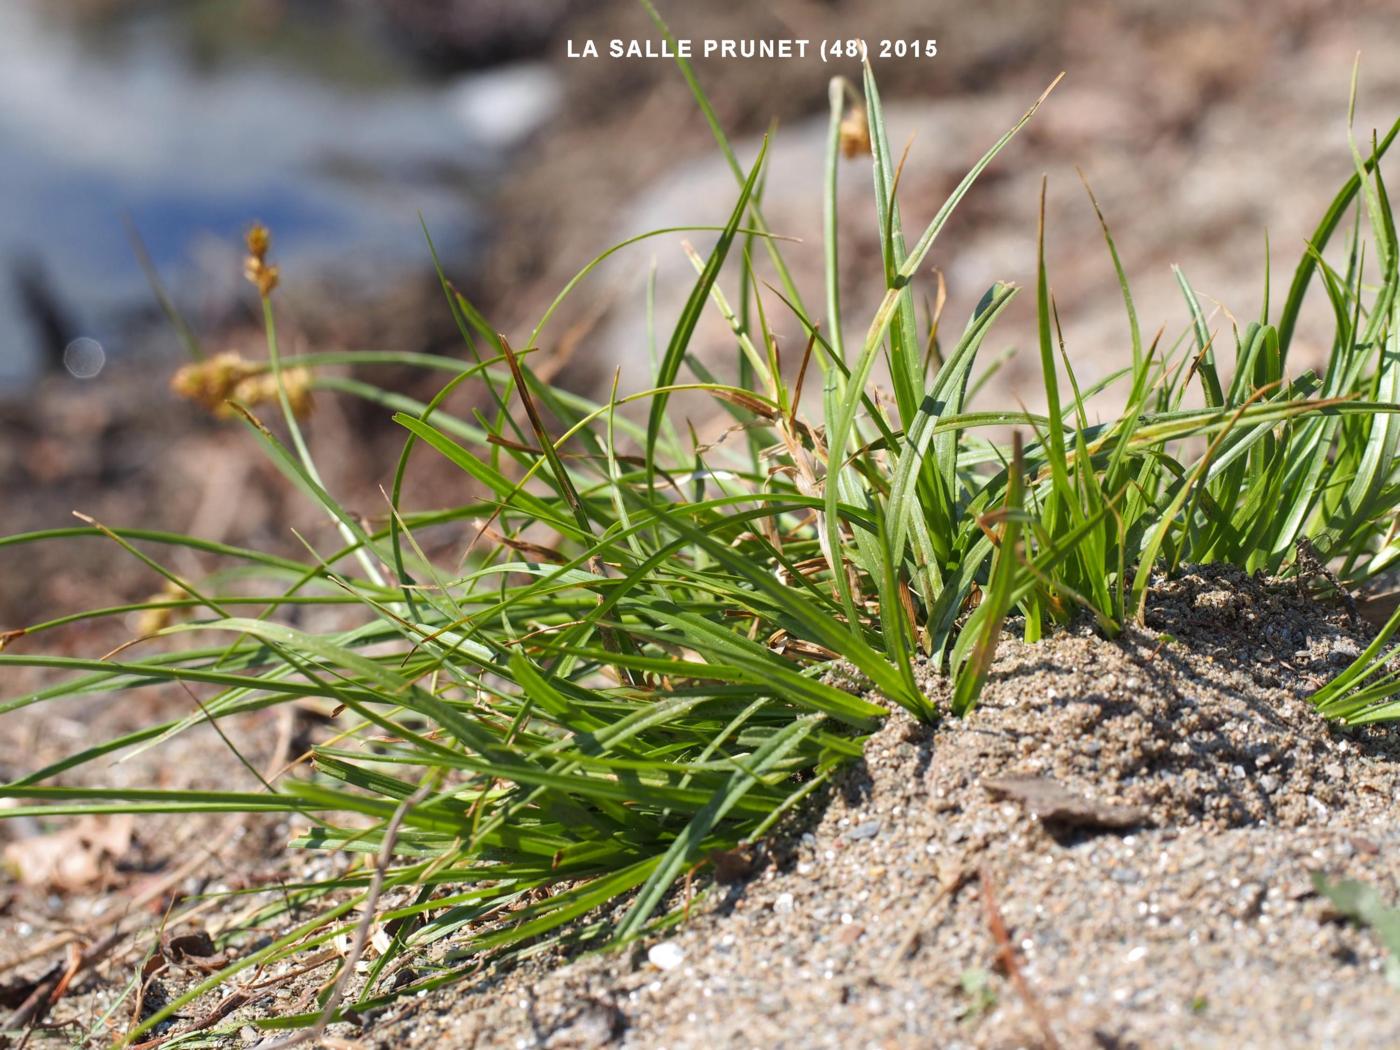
212,382
263,276
854,133
229,377
152,620
262,389
258,240
256,267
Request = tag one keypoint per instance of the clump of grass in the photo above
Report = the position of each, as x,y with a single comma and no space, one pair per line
627,671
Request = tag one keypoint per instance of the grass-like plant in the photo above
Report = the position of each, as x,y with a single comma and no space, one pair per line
629,668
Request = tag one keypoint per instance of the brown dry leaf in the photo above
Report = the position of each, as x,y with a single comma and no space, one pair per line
1053,803
1375,609
196,944
735,865
73,857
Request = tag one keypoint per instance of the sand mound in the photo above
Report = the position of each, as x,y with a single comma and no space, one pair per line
1202,719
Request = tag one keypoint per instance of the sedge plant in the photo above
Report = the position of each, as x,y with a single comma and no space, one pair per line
630,668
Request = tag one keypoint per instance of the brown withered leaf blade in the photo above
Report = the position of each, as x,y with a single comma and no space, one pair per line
1052,803
197,944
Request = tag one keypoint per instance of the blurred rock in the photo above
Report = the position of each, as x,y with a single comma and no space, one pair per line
460,34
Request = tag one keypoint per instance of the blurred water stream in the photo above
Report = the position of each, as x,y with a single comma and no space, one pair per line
194,130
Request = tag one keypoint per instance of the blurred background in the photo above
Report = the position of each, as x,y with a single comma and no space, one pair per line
1201,125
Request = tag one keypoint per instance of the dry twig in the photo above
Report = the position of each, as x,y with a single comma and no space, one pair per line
1011,963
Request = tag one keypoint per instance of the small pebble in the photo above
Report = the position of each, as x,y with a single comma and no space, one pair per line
666,956
868,830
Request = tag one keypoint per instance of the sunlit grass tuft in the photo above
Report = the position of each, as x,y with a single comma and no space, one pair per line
629,669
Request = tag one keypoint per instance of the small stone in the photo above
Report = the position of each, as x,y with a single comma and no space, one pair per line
783,903
1251,902
597,1024
868,830
665,956
848,935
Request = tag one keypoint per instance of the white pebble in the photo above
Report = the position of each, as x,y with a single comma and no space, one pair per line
665,956
783,903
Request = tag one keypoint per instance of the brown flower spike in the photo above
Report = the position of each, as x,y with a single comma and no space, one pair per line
256,267
855,133
226,377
